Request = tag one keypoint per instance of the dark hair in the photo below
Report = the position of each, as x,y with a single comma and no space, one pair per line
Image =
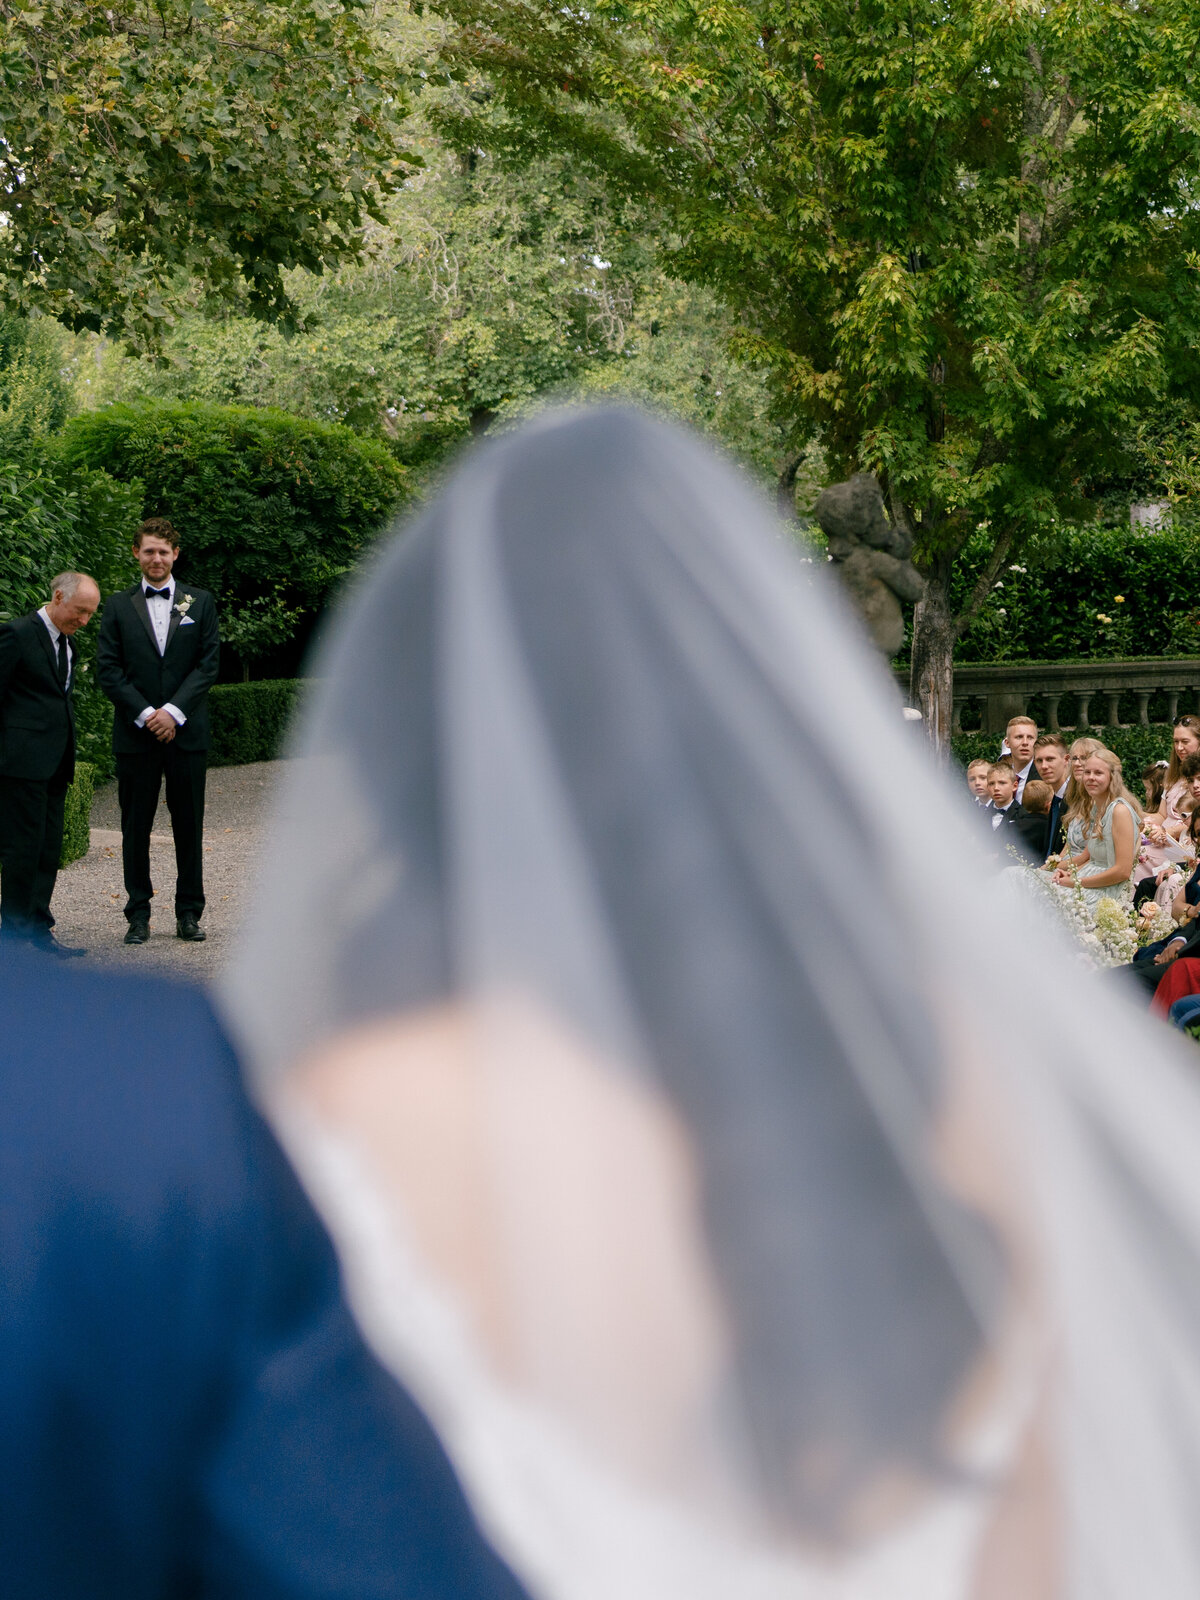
1154,781
156,528
1046,739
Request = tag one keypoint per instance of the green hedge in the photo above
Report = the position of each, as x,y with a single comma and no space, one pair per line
1137,747
77,814
263,501
1050,602
249,720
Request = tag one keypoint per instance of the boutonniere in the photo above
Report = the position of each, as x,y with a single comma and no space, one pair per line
184,606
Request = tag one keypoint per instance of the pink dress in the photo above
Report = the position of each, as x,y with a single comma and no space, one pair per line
1151,858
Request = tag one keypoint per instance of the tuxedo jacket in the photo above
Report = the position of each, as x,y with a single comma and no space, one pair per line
1017,827
1057,839
37,716
133,675
189,1408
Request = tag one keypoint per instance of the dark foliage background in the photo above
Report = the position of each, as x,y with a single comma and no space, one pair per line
1090,593
264,502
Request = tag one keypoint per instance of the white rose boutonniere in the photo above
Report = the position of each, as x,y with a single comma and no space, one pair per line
184,606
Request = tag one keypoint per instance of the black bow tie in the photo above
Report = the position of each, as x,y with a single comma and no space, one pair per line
158,594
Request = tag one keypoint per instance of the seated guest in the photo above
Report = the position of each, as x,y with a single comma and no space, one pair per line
1034,822
1165,821
977,780
1054,768
1153,785
1021,736
1111,823
1152,961
1005,814
1080,750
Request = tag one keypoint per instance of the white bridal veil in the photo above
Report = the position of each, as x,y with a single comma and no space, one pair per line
757,1208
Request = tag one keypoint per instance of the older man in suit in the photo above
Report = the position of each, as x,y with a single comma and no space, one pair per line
158,657
37,755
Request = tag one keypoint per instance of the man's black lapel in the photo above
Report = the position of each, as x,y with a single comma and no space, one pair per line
43,633
173,624
138,599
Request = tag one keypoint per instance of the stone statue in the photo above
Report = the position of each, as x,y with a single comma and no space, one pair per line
871,554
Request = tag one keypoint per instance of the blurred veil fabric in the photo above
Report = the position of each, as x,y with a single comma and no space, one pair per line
756,1206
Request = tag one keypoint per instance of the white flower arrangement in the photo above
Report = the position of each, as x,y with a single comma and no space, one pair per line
1108,931
185,605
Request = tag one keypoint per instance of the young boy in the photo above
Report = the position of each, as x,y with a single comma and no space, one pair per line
977,781
1006,814
1034,821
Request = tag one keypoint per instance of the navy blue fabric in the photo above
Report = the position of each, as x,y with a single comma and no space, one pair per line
187,1408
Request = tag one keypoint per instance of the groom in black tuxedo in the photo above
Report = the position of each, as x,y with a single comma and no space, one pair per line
37,755
157,659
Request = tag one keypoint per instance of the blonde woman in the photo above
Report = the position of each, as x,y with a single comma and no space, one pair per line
1080,750
1110,824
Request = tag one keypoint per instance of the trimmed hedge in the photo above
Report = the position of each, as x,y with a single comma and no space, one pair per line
250,720
1088,594
1137,747
77,814
263,501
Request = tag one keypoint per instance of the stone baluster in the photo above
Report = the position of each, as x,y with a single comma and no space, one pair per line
1052,711
1114,702
1082,718
1172,704
1143,705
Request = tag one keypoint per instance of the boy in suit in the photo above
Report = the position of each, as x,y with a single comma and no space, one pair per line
157,659
37,755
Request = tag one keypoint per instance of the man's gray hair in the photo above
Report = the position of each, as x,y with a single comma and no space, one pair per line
68,582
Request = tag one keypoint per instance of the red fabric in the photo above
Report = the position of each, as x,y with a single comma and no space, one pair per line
1181,977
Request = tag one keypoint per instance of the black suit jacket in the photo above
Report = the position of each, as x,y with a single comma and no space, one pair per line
1057,839
189,1408
1016,828
133,675
37,717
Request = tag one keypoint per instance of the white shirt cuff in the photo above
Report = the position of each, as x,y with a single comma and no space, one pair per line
140,722
176,713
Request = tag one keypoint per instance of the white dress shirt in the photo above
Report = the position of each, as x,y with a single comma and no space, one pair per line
1023,778
54,637
160,618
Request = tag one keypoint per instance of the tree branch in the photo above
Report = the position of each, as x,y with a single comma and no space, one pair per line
983,584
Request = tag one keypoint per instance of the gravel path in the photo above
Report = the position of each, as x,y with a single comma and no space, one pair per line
89,896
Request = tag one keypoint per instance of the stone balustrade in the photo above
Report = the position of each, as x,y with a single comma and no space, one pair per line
1093,694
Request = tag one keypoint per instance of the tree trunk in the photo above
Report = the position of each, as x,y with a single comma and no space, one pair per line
931,684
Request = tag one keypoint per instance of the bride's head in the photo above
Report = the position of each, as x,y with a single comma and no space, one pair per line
580,926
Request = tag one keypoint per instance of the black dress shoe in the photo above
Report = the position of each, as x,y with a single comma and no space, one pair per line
138,933
186,927
50,946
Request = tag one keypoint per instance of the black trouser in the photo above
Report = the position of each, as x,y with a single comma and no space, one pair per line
139,780
31,835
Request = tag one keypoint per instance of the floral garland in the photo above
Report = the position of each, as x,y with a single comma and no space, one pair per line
1107,931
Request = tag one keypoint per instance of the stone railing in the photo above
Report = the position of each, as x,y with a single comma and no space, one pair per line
1092,693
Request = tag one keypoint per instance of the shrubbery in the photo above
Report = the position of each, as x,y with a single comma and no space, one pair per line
250,720
1090,594
77,814
263,501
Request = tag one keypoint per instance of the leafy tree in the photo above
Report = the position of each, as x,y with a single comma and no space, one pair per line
489,289
54,517
962,238
262,500
153,146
